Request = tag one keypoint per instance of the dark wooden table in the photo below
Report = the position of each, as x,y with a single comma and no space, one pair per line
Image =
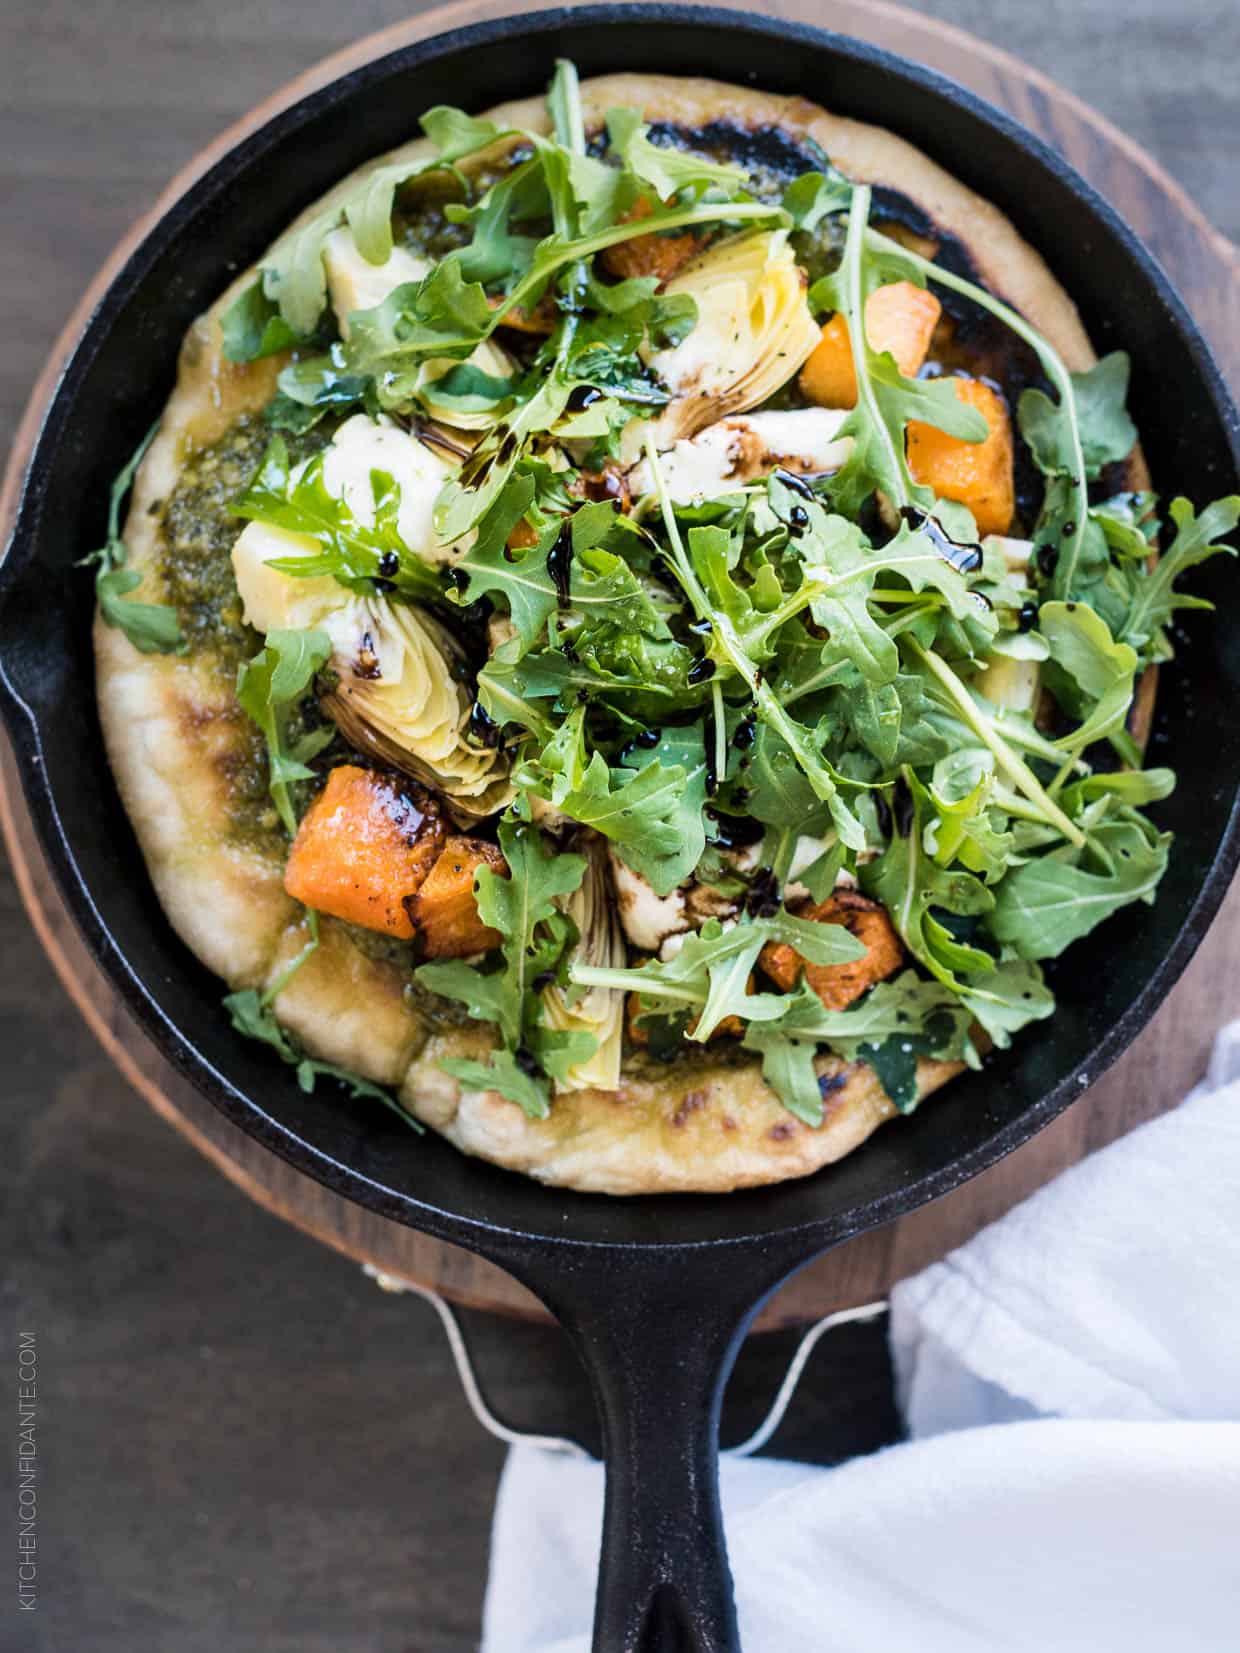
245,1447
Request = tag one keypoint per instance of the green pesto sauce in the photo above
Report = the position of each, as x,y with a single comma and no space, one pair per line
195,565
419,223
199,530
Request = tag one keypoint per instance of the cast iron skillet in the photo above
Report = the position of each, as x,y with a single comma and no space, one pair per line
654,1293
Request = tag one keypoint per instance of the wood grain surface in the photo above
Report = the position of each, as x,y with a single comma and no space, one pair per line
1153,1074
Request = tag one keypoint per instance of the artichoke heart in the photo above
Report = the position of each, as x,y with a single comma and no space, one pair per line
471,411
754,330
399,695
361,448
598,1011
353,284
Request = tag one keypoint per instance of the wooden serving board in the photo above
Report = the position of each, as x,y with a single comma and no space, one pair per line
1156,1071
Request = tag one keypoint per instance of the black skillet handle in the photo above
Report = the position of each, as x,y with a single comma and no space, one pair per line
658,1337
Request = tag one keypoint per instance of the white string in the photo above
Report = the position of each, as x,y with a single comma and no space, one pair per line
559,1443
465,1369
805,1348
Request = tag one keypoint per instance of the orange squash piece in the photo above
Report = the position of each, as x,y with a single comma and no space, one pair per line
523,537
541,319
445,908
837,985
648,255
363,848
899,318
976,474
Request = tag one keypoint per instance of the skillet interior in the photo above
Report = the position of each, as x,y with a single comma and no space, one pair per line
121,376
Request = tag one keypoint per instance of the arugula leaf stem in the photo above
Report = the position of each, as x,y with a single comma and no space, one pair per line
272,992
721,731
1011,803
857,237
680,557
733,651
152,628
1056,785
895,624
925,599
820,680
1052,363
682,218
565,101
1015,768
812,590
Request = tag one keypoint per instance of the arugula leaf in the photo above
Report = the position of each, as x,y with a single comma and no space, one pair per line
1129,786
522,576
295,498
497,251
652,813
727,648
914,888
886,400
253,327
293,278
1012,996
999,733
1089,673
1155,598
713,966
815,196
504,1072
822,875
466,499
642,810
1106,432
269,687
891,1009
523,907
666,171
1045,905
1065,522
152,628
678,749
788,1068
963,827
447,315
776,789
600,590
889,1028
252,1015
564,106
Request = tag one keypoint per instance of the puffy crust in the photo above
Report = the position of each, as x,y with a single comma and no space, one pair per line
346,1007
701,1130
172,731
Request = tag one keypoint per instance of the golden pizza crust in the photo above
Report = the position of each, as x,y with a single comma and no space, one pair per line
174,732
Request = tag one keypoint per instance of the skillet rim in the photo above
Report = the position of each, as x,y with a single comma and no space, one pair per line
164,231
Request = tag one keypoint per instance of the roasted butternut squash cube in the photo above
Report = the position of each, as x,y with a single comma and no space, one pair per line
837,985
649,255
541,319
365,846
445,908
899,318
976,474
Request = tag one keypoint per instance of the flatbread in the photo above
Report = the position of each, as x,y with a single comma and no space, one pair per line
175,735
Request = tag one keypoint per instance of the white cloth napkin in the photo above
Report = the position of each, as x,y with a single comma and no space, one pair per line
1071,1383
